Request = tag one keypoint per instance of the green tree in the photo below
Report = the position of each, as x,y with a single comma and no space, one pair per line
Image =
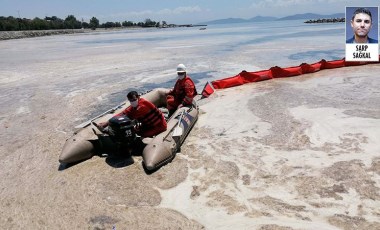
108,25
39,24
85,25
72,23
55,22
94,23
128,23
149,23
9,24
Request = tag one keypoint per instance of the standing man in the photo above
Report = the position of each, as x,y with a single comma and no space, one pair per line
183,92
361,24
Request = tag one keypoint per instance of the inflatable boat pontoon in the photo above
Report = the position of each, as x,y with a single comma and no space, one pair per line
89,140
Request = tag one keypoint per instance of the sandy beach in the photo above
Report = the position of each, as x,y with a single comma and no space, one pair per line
284,154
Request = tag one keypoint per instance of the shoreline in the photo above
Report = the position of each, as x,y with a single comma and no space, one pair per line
9,35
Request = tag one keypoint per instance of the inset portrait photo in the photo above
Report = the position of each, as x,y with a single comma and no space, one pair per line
362,34
362,25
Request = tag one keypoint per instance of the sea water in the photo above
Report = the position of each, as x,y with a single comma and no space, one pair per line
225,50
143,59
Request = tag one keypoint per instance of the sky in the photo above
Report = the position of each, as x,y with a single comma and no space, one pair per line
172,11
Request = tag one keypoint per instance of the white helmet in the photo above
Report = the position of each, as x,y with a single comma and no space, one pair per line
181,68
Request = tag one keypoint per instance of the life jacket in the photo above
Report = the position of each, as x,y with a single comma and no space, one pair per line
147,114
184,90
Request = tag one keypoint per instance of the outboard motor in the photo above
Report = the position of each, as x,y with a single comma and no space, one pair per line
121,130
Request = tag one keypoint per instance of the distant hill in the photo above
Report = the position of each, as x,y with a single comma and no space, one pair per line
225,21
311,16
240,20
261,19
265,19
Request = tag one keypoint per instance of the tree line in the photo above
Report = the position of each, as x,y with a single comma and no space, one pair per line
70,22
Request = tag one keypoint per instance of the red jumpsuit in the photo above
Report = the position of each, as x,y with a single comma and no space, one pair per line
183,93
151,119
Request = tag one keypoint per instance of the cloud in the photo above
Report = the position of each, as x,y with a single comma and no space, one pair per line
278,3
138,15
289,3
175,11
180,10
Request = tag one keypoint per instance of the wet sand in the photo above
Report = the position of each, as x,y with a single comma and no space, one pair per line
295,153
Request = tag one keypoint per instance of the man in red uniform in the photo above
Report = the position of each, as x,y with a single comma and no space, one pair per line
183,92
151,119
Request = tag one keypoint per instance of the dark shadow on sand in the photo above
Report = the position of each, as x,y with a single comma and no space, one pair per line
64,166
119,162
125,157
113,160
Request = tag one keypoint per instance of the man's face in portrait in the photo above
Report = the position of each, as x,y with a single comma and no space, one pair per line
361,24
